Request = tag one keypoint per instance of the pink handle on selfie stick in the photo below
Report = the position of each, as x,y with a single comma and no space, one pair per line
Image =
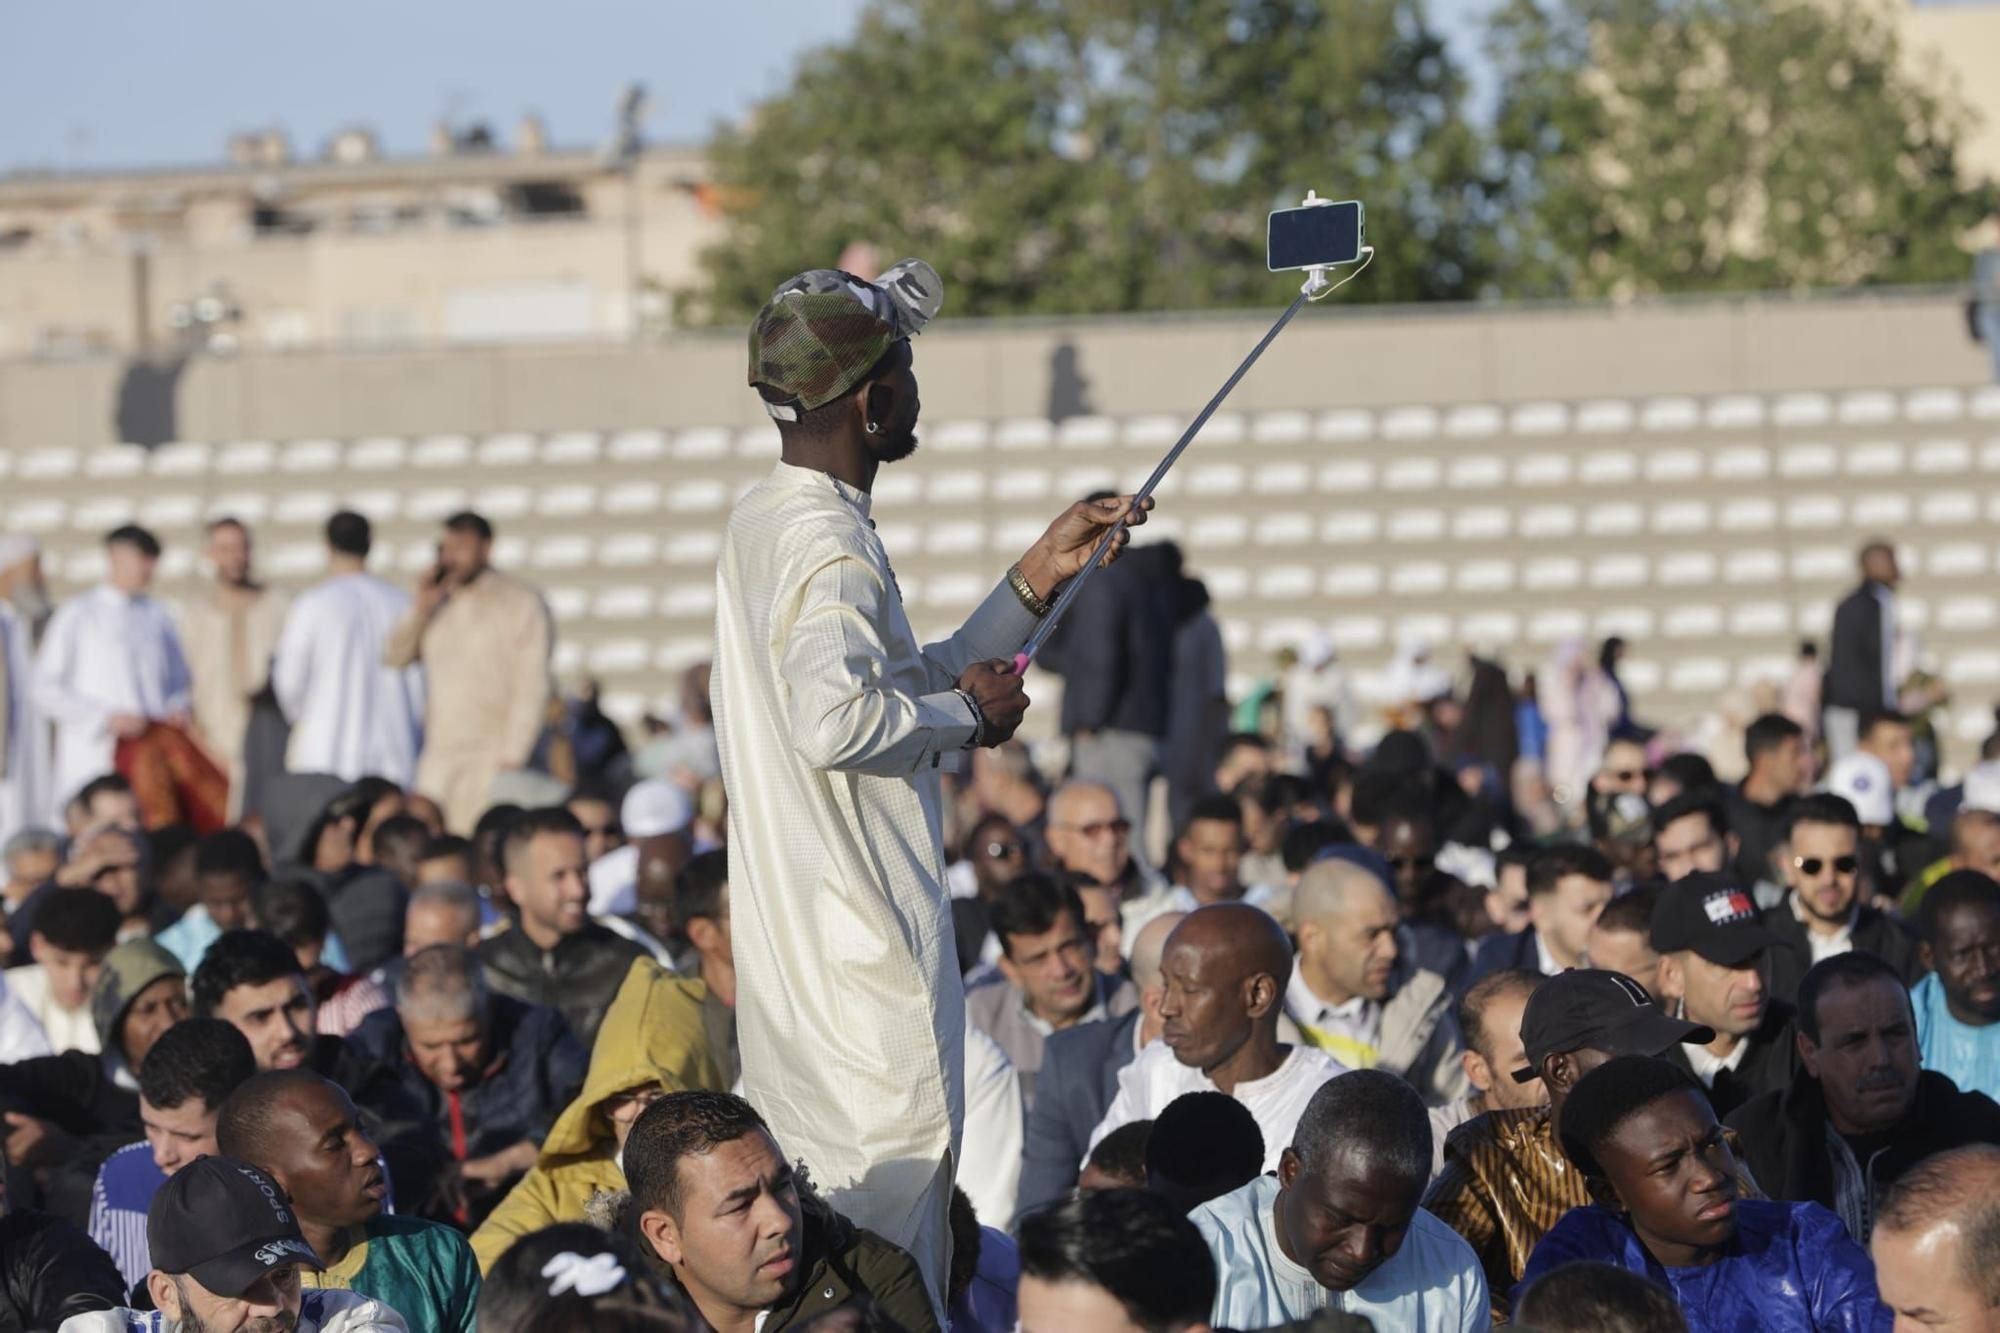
1075,585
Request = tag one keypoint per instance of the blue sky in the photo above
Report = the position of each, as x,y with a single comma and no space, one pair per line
96,84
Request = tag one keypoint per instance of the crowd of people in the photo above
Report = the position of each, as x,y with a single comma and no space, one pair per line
356,983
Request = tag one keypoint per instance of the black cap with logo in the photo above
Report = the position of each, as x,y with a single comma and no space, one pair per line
225,1224
1589,1008
1710,914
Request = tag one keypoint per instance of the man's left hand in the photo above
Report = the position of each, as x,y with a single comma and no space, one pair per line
1066,547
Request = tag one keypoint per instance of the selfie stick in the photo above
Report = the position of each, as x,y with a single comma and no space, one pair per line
1316,286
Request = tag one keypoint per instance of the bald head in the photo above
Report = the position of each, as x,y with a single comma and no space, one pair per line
1087,833
1237,941
1080,797
1936,1242
1330,890
1148,945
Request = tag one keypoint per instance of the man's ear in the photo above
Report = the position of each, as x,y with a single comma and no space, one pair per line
38,945
1673,980
166,1297
1260,994
1289,1163
1477,1071
1559,1071
1603,1194
1008,970
662,1233
1808,1054
878,402
1925,956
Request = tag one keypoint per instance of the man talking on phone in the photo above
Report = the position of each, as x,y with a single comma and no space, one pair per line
833,724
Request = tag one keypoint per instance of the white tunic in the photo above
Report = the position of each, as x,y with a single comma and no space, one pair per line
833,724
1276,1101
351,716
24,765
104,653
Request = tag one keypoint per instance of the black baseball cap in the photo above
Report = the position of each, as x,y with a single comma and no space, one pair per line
225,1224
1709,913
1590,1008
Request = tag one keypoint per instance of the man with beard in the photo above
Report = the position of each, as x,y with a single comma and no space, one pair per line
1823,915
1861,1113
834,724
1958,1004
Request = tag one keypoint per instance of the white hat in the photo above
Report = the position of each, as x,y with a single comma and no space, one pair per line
1982,788
16,547
1316,651
1864,780
655,807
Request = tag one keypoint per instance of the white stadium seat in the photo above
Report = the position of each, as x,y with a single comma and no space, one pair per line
379,454
1491,630
632,497
1755,514
902,536
700,494
1344,425
117,461
1285,528
1934,405
170,511
305,508
1152,433
1481,523
1227,583
1966,613
1947,508
956,487
1476,472
897,488
1958,560
1753,565
1347,476
619,655
702,444
512,449
1698,675
377,506
572,448
1541,521
1024,433
1210,479
88,566
1351,580
1410,423
1284,582
954,537
1089,432
1669,465
1539,419
1889,509
1214,530
1416,525
1803,409
1551,572
567,603
247,458
1742,462
1347,526
1475,422
1542,470
566,500
168,460
1557,625
1356,633
1281,428
628,602
244,506
638,446
1485,576
627,549
1619,571
1813,511
1981,666
692,548
567,552
435,503
293,560
1686,569
1419,578
442,451
1222,428
1936,456
957,437
1411,474
1823,562
1627,622
1281,479
567,659
1765,618
503,502
1692,622
1026,483
101,513
1808,460
1877,458
1610,467
760,442
1077,482
955,590
1985,403
1869,407
1604,416
1737,412
693,598
1671,414
1681,517
1638,674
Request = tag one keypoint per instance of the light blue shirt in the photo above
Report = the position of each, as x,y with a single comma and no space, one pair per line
1968,1056
188,940
1433,1284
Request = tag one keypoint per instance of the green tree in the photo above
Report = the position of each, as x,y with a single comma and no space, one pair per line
1065,156
1710,145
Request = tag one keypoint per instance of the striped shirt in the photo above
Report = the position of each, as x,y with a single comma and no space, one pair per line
125,1187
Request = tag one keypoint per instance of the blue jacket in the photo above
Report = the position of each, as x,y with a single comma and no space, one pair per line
1078,1080
535,1069
1780,1248
1497,952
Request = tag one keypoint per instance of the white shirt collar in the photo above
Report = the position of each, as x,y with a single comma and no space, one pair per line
1545,962
1090,1015
1825,946
1707,1064
1306,1005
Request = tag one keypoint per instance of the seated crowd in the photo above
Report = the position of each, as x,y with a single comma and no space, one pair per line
1367,1051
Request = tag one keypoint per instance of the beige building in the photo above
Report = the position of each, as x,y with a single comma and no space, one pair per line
471,244
1960,41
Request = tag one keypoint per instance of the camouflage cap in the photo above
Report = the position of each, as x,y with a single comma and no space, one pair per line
128,969
825,329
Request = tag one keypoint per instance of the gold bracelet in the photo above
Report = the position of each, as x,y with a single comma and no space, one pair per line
1026,592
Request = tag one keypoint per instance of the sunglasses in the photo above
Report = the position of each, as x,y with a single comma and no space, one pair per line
1004,851
1101,827
1812,865
1629,774
1401,863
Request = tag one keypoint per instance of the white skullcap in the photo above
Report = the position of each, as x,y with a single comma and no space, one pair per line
655,807
1982,789
1864,780
16,547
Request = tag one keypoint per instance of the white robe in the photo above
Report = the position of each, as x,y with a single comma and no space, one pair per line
351,716
104,653
24,768
832,724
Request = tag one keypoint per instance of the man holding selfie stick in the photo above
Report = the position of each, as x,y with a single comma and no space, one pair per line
833,724
484,640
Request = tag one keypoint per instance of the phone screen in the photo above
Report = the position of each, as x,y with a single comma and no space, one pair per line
1312,236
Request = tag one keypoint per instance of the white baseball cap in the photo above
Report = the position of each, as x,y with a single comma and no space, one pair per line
1982,788
655,807
1864,780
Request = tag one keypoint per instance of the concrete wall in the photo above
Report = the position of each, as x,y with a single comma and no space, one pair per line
1332,356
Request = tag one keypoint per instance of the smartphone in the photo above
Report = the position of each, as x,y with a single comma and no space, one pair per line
1316,236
